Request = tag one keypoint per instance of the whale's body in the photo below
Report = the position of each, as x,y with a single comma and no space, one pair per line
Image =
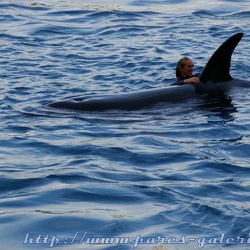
214,78
128,101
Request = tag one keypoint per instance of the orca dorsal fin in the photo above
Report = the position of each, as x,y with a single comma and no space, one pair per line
218,66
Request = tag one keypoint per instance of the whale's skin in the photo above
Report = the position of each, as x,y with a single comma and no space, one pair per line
214,78
129,101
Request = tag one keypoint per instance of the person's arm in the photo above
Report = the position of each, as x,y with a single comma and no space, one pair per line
193,79
189,80
178,82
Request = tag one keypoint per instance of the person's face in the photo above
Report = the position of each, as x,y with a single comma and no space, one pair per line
187,69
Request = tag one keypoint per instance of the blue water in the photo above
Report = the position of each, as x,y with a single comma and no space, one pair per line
171,170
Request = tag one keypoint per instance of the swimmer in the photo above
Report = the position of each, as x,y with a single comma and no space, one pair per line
184,72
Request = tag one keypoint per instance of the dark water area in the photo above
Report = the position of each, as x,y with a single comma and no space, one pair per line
175,176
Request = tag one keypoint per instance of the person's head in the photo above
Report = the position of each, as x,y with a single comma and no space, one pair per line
184,68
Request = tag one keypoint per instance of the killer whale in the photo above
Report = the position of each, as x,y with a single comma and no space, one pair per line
214,77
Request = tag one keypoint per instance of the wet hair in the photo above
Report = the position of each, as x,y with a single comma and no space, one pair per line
180,65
